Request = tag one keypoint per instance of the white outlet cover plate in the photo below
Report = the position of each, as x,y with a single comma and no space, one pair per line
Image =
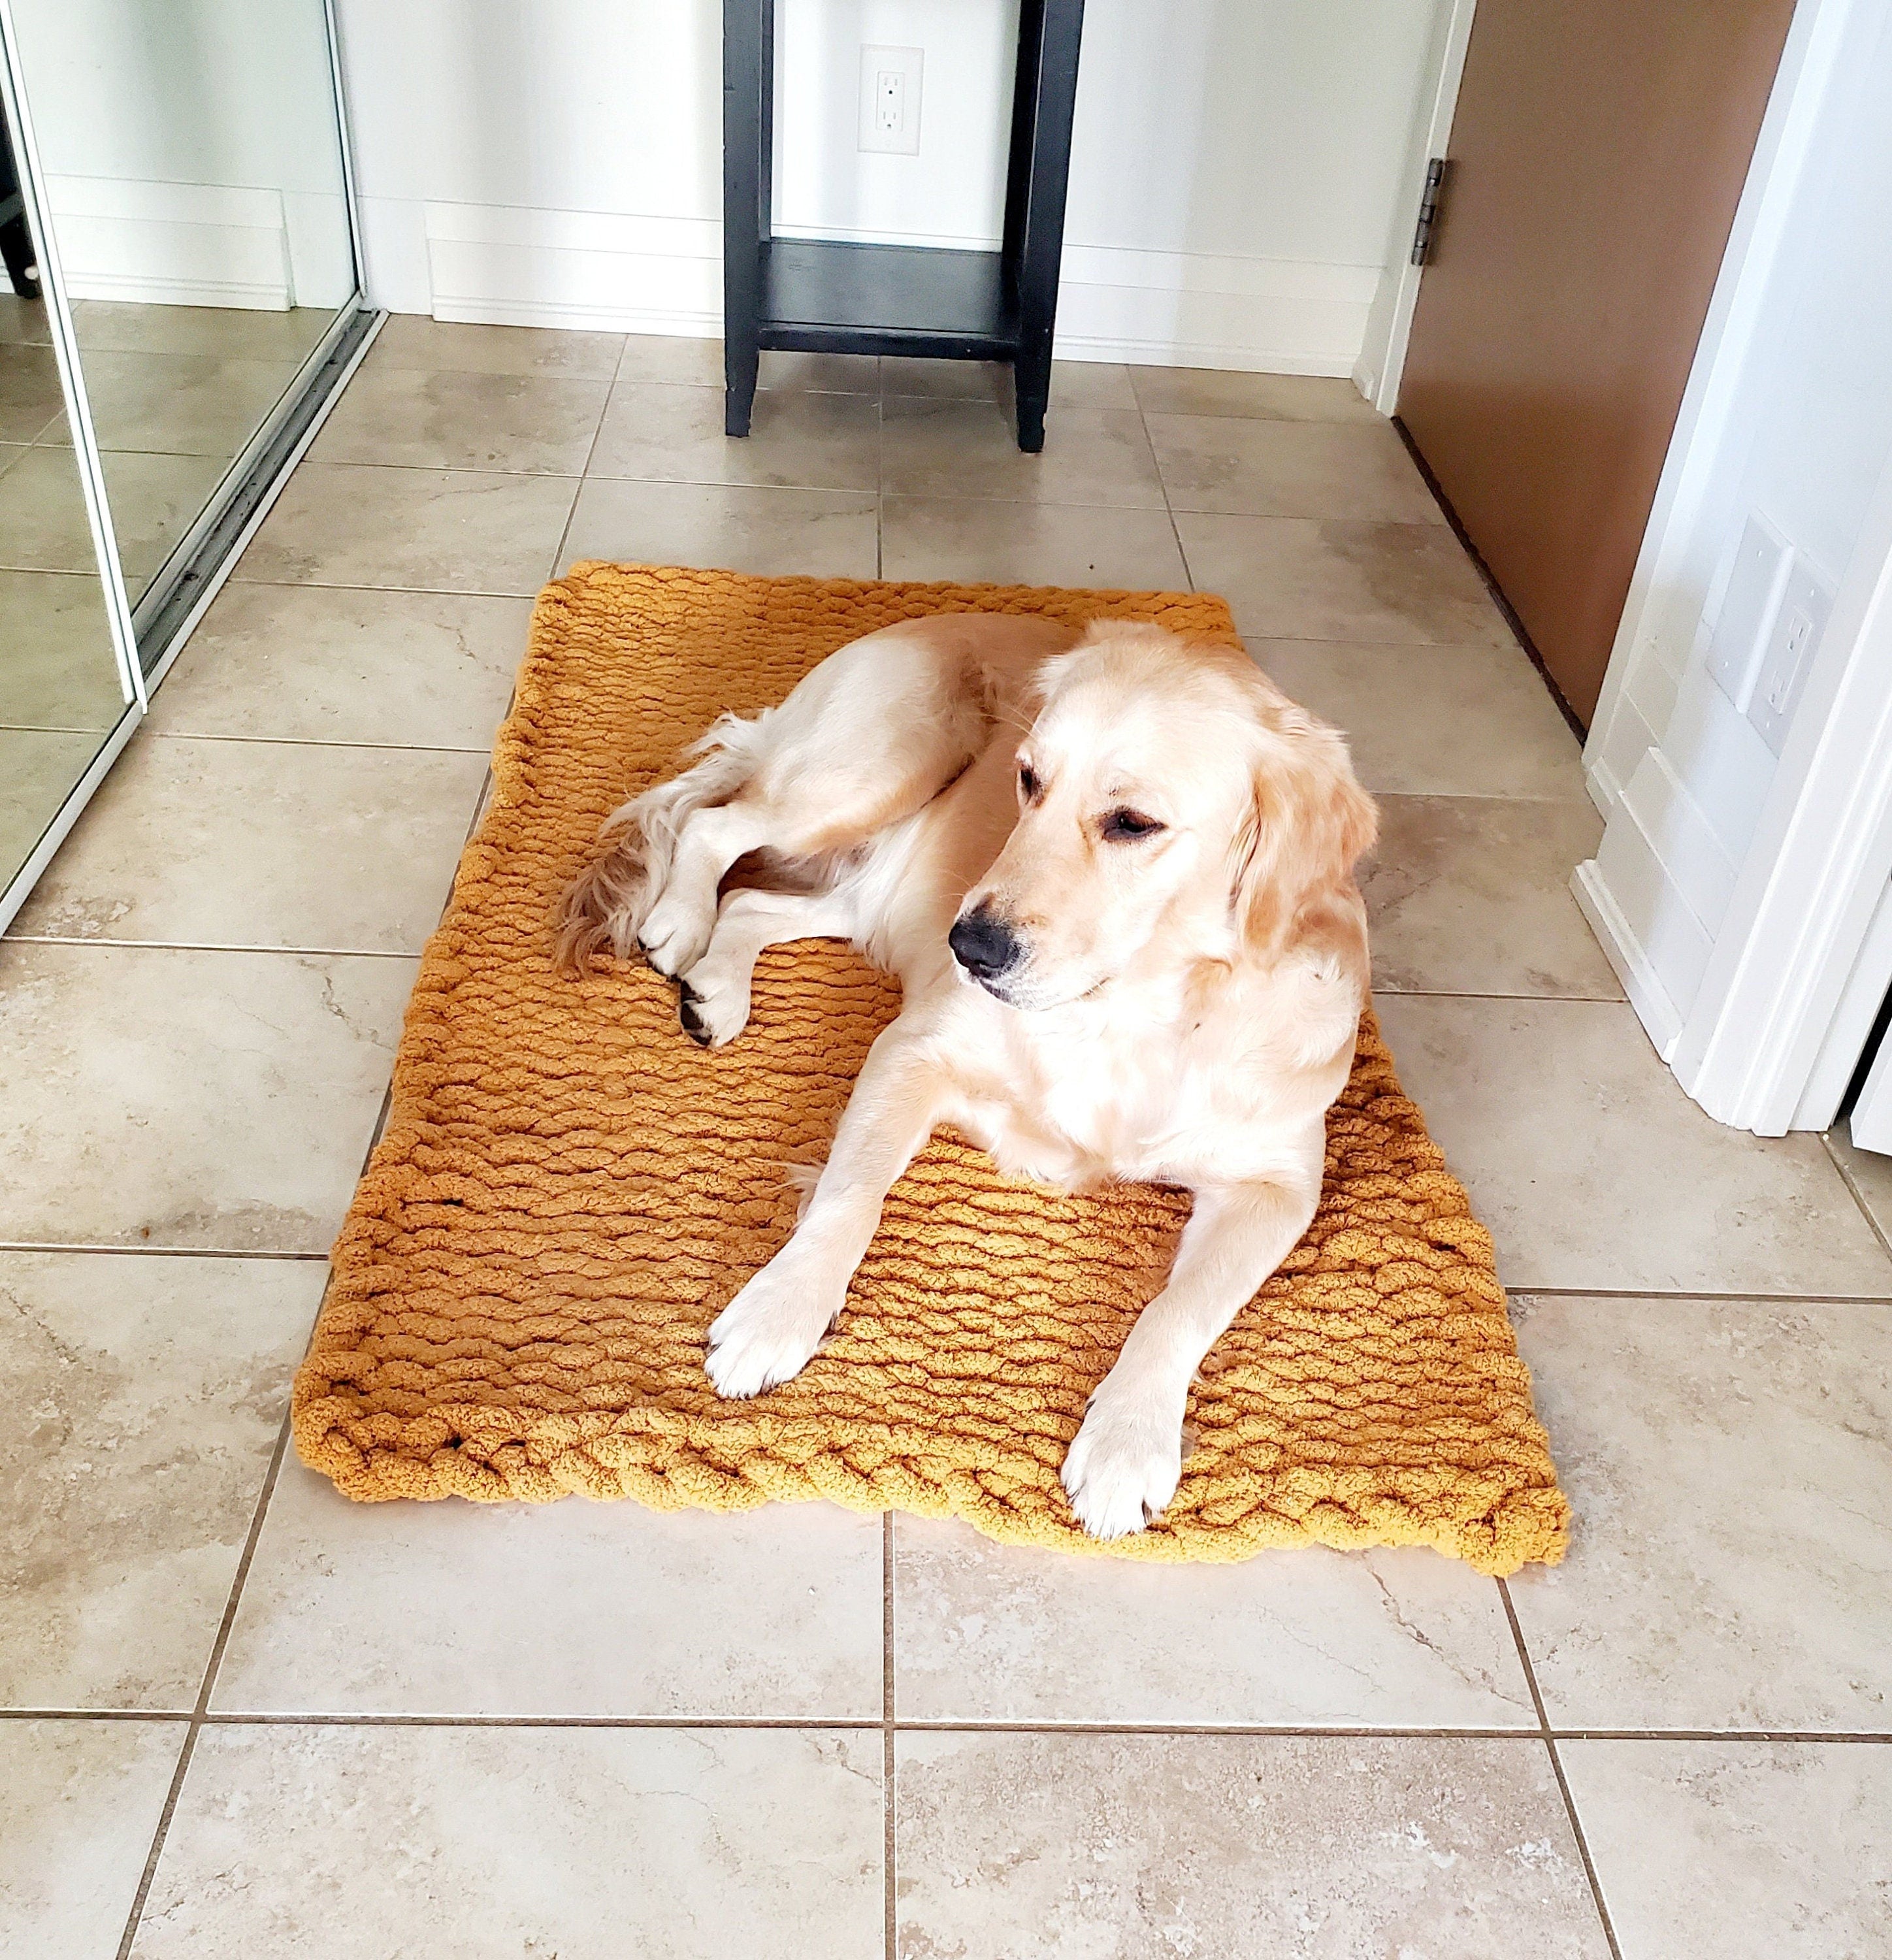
907,63
1748,609
1792,646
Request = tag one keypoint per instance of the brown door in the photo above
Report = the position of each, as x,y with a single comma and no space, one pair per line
1598,152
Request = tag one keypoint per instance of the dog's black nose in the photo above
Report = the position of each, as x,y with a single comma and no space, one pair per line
983,944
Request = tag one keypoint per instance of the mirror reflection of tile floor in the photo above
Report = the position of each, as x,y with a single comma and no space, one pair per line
175,392
594,1731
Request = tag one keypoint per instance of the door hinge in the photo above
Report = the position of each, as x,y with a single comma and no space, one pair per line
1427,211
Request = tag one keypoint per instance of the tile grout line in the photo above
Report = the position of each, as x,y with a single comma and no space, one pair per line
202,1705
66,1247
889,1846
213,945
1556,1770
1853,1191
265,1718
1169,509
579,482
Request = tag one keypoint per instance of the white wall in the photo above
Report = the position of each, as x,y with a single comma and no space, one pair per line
189,149
1799,429
1235,167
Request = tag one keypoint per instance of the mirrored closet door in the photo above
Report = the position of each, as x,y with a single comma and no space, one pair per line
182,296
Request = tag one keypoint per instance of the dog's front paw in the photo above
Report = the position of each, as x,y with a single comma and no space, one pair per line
712,1005
767,1333
1125,1462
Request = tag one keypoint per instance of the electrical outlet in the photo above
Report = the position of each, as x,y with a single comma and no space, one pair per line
1763,564
890,100
1799,621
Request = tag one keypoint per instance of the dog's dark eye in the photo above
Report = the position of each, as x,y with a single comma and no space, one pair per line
1122,824
1027,781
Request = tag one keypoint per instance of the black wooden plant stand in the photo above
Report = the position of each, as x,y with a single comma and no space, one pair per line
822,296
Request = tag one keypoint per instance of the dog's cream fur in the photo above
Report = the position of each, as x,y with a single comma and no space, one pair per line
1180,1001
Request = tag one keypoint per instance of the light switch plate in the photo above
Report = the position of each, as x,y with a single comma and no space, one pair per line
890,80
1763,564
1799,620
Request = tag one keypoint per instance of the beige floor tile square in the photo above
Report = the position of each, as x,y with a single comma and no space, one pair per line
1595,1172
439,531
1075,384
657,431
1436,721
543,424
412,340
22,319
158,1388
1392,1639
1729,1465
1220,391
57,667
10,453
330,663
665,357
199,842
79,1804
181,404
30,395
970,449
571,1610
1296,578
43,522
1742,1850
1471,895
1029,544
489,1843
772,533
1245,465
1332,1848
207,1101
1868,1173
154,500
233,333
821,373
38,768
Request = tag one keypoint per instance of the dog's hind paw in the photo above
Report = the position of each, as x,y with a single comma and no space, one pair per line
1125,1462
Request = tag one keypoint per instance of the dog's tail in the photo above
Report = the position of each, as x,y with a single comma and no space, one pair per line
605,905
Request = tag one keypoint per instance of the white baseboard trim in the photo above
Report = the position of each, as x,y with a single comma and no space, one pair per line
172,244
1648,996
624,272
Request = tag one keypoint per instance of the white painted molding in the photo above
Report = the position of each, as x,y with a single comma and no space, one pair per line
1381,361
175,244
1819,864
1661,614
1633,967
514,265
1864,994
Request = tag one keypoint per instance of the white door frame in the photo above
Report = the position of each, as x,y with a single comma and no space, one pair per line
1794,962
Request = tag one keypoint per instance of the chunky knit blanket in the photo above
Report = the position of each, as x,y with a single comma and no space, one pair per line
569,1189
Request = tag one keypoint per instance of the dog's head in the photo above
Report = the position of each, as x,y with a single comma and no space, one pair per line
1173,806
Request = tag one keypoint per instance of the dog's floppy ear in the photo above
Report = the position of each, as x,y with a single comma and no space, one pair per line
1308,822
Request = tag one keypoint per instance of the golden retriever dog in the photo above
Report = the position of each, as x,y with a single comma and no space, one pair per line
1114,872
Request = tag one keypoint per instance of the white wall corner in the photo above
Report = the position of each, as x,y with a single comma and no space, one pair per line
395,274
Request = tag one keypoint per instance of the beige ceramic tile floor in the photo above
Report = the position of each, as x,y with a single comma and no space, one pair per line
249,1717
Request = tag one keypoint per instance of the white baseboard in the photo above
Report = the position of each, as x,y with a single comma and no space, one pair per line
622,273
172,244
1658,1014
